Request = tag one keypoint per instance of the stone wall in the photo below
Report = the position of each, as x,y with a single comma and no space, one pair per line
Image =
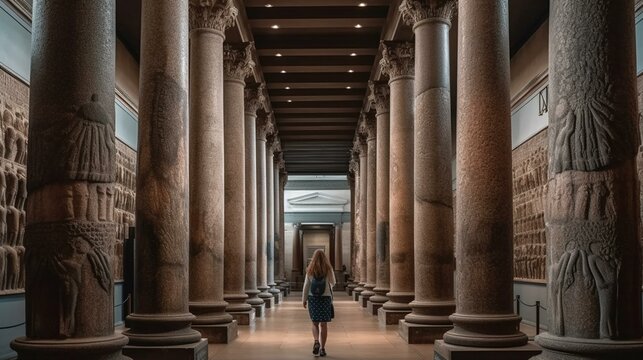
529,179
14,107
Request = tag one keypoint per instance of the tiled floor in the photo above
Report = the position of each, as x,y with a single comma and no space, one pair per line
285,333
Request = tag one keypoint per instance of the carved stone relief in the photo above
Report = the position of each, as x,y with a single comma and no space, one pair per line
529,179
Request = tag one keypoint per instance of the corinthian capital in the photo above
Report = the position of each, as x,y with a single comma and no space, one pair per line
265,125
254,98
212,14
398,59
414,11
237,60
380,96
368,126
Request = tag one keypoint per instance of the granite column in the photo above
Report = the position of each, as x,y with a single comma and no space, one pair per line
484,314
296,254
273,147
284,286
70,227
253,100
360,145
352,180
238,64
264,128
433,211
370,130
398,63
380,99
161,319
592,201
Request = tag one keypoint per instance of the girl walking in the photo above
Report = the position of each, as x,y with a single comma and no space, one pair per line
318,295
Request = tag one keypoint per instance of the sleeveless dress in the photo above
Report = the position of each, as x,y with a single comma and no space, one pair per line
320,308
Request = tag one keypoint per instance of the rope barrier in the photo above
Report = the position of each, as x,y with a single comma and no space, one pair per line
12,326
123,303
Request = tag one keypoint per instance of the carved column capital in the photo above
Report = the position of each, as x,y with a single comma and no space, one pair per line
398,59
274,143
212,14
237,61
283,176
353,166
254,98
265,126
414,11
369,126
380,96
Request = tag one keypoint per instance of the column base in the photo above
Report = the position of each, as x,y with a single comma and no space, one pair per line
363,299
356,292
444,351
193,351
350,288
220,333
373,307
421,334
390,317
260,309
276,294
160,330
244,318
566,348
481,330
99,348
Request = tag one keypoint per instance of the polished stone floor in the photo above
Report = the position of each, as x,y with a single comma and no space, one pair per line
285,333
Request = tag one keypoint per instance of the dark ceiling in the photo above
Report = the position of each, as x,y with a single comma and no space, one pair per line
317,65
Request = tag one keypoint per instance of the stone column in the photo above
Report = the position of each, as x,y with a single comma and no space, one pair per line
253,100
238,63
592,202
296,255
273,147
433,211
161,318
338,249
208,22
360,145
70,226
484,252
264,128
371,192
284,285
352,180
398,62
380,99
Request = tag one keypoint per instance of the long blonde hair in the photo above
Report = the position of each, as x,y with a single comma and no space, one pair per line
319,266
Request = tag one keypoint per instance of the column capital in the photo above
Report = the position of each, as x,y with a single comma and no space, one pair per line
368,126
217,15
283,175
265,125
398,59
353,166
274,143
414,11
254,98
237,60
380,96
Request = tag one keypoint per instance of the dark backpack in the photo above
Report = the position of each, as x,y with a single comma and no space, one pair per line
318,286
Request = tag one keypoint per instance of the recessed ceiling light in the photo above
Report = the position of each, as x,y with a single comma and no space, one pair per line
270,5
275,26
289,100
348,88
287,87
360,5
278,54
351,71
353,54
283,71
358,26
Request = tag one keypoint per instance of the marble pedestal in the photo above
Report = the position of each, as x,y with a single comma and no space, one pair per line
220,333
372,307
269,302
443,351
363,300
244,317
391,317
194,351
421,334
260,310
356,295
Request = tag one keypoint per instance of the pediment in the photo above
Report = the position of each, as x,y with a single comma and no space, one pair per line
317,199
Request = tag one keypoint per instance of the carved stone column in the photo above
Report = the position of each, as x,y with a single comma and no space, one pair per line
592,201
380,98
238,64
484,314
296,256
398,63
282,178
265,127
353,179
339,274
360,145
370,129
273,146
253,100
433,212
70,226
208,22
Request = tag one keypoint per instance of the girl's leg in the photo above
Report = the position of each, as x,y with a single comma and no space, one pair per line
316,331
324,334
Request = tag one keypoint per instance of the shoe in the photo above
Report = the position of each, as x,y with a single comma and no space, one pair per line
316,348
322,352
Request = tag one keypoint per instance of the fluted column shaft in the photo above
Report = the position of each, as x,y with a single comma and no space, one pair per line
592,201
433,211
264,127
484,253
380,97
399,64
237,64
253,100
70,226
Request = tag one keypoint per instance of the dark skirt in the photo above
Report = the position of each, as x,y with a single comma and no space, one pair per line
320,308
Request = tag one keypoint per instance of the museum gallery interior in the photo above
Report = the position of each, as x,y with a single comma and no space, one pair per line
470,167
